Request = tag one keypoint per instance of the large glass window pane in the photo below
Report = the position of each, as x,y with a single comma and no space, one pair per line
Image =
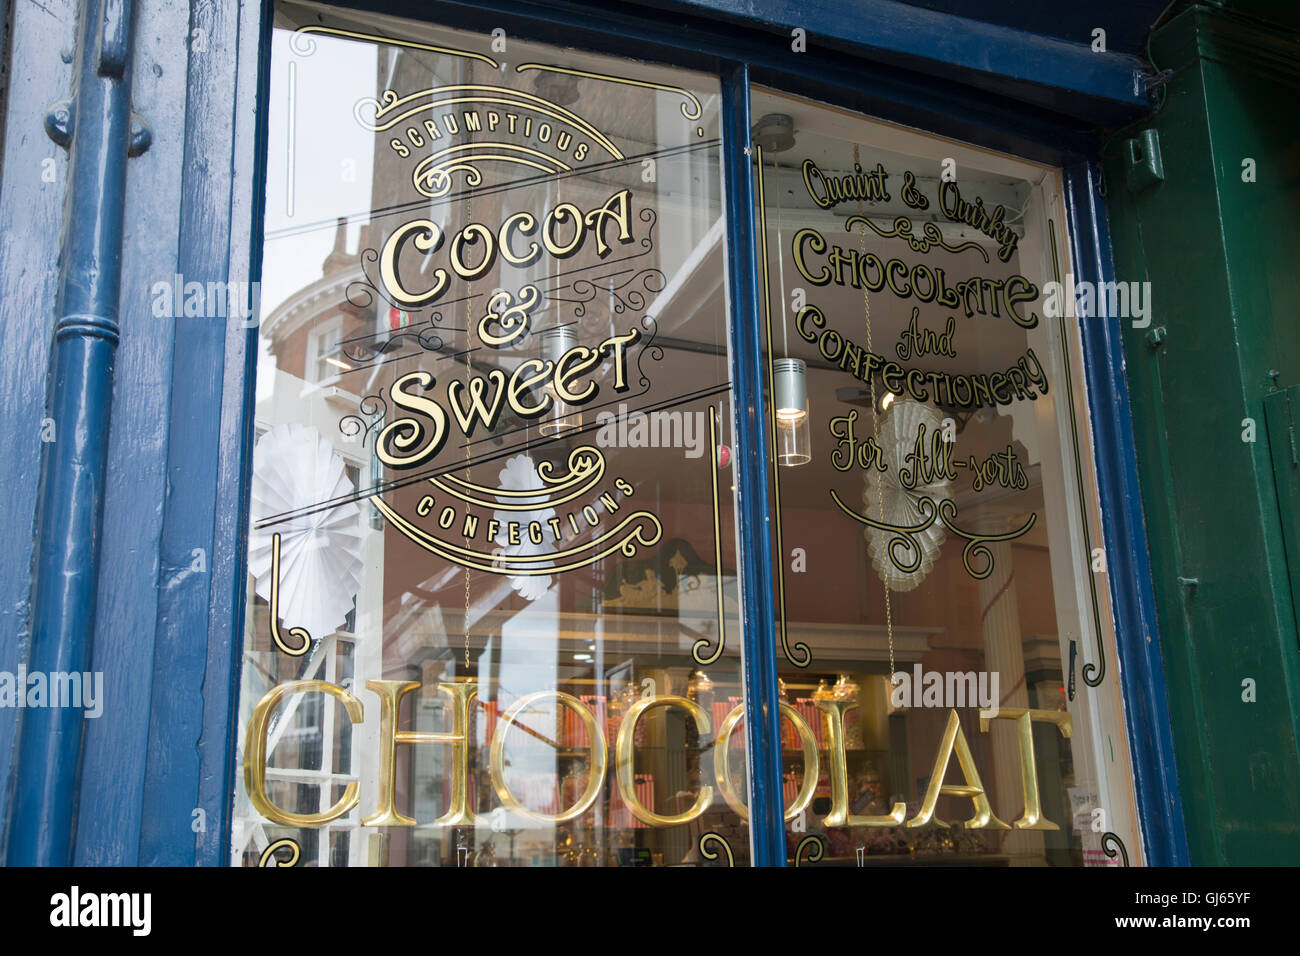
493,606
946,645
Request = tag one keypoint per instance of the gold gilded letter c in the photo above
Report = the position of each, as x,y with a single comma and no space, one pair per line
427,237
255,754
624,757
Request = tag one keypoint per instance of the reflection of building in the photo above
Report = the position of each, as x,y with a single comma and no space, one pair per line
306,336
1165,539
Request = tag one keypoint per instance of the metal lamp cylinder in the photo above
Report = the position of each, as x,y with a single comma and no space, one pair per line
790,400
560,417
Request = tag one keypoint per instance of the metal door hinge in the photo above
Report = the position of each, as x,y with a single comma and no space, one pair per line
1143,164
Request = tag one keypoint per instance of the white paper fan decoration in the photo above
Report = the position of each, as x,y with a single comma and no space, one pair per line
520,474
295,471
898,430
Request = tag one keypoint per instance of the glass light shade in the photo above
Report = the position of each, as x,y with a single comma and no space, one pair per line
699,686
790,400
793,444
560,417
846,688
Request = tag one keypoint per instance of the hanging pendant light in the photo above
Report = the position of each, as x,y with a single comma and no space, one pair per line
699,688
775,133
790,399
560,417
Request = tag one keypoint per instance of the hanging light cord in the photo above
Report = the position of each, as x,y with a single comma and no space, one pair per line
469,319
780,265
875,424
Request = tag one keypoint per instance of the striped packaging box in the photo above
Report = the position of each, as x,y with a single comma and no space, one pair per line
645,795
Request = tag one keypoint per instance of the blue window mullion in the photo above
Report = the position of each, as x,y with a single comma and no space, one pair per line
762,714
1137,639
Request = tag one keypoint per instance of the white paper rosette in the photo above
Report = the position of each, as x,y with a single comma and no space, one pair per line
899,426
520,474
295,472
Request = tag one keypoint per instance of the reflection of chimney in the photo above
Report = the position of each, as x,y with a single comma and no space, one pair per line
337,260
369,236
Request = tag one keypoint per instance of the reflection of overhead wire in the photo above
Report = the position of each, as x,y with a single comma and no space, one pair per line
429,204
875,417
469,370
1161,77
1020,214
780,262
497,453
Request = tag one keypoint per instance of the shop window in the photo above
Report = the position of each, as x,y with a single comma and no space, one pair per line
943,620
325,357
493,571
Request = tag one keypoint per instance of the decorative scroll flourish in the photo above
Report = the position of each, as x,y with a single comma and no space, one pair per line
366,349
303,45
366,291
655,352
433,175
690,108
978,543
945,511
651,280
586,470
639,529
1111,852
931,235
375,408
904,535
299,632
1093,674
268,857
699,649
801,654
651,218
817,851
711,837
586,290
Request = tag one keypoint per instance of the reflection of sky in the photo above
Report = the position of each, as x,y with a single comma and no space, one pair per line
333,157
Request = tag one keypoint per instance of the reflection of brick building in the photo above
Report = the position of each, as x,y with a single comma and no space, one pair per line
307,331
307,336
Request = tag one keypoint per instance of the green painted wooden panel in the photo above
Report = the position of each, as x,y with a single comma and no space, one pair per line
1281,411
1219,251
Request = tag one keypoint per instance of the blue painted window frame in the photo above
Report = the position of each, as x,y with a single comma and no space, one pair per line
757,55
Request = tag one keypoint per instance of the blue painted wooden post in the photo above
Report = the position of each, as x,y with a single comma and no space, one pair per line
1141,673
96,128
762,724
200,614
